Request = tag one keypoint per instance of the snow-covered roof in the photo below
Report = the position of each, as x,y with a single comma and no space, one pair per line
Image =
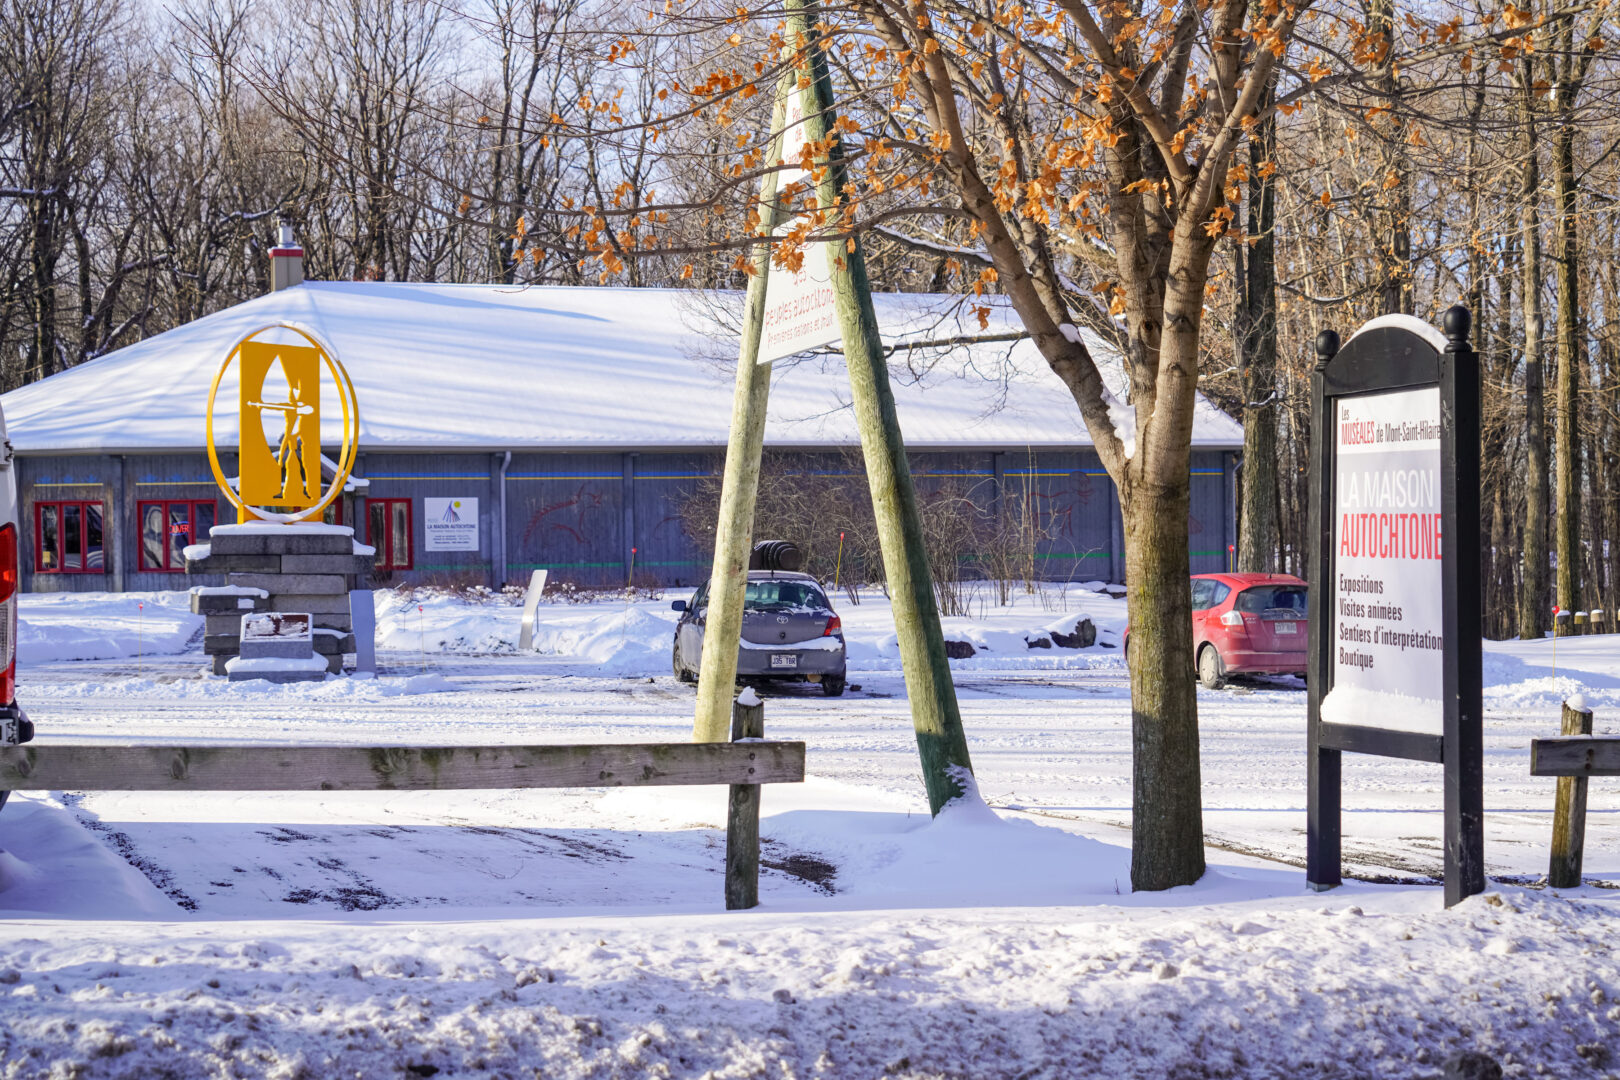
480,367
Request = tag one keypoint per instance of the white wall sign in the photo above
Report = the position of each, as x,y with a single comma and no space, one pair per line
449,524
1388,643
800,313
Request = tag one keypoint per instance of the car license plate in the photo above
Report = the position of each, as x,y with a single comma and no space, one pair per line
784,660
1287,628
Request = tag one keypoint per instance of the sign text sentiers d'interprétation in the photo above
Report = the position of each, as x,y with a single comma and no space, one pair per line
800,311
1388,658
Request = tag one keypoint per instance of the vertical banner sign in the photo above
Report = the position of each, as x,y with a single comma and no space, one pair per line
1388,639
1395,610
449,524
800,311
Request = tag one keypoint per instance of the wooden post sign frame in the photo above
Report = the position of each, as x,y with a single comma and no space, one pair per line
1389,356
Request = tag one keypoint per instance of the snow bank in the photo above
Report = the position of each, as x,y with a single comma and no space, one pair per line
205,687
103,626
631,641
615,638
52,864
965,857
970,855
612,637
1520,677
1001,636
1357,987
444,623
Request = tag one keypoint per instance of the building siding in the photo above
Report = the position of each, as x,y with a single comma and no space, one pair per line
578,515
565,514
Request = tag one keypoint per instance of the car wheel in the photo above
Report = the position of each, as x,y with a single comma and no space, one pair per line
832,685
681,674
1210,672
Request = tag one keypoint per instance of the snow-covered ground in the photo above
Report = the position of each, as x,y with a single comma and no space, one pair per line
579,933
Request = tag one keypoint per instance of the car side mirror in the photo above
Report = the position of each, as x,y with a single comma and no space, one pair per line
677,605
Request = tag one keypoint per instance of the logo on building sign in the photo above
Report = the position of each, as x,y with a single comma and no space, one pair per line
280,374
449,524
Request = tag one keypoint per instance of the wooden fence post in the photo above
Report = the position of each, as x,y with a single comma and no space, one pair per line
739,481
1569,812
941,742
742,813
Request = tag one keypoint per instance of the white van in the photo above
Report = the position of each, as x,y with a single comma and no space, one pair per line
15,726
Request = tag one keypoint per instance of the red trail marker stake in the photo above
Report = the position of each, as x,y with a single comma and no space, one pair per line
1556,609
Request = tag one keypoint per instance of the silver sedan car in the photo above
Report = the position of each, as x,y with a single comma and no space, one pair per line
790,632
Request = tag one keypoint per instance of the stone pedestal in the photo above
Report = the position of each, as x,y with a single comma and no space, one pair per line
280,568
278,647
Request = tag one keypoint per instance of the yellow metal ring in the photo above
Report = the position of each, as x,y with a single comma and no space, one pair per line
351,427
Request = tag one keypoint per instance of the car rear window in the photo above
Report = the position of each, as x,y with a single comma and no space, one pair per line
782,596
1273,598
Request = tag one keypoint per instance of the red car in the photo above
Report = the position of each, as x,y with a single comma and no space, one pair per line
1247,624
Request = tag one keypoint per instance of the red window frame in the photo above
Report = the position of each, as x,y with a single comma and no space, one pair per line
388,558
143,561
83,506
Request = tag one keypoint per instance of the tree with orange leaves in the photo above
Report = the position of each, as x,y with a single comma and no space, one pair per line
1034,146
1111,127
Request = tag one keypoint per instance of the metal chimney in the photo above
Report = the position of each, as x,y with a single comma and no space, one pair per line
286,260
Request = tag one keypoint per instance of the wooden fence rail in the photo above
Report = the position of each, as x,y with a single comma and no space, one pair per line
1573,757
65,767
1577,755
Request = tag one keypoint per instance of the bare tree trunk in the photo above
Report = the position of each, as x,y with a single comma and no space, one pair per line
45,245
1533,601
1609,441
1502,596
1610,446
1567,516
1395,251
1258,540
1167,825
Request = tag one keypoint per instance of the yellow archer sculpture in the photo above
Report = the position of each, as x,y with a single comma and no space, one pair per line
283,484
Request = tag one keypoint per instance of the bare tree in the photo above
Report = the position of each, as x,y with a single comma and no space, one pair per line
55,59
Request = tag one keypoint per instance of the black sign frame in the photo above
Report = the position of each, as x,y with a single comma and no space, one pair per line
1376,361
